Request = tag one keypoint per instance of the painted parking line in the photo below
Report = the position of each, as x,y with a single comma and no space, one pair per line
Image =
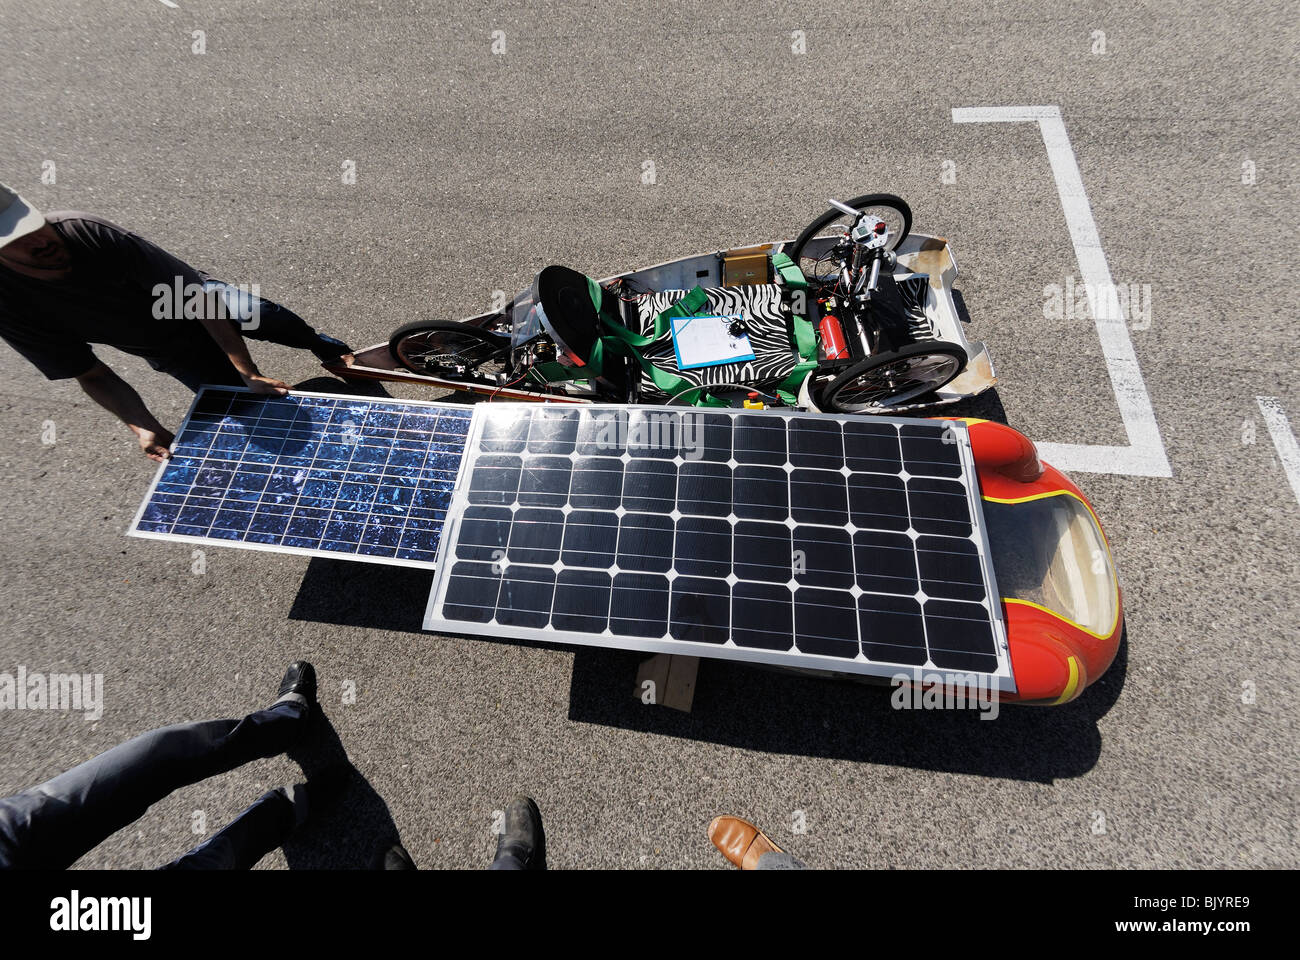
168,3
1279,428
1145,454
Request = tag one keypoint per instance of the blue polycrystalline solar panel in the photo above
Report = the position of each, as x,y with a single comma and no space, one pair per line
309,473
852,544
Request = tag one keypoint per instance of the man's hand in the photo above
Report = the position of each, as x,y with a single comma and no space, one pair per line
156,444
260,384
115,395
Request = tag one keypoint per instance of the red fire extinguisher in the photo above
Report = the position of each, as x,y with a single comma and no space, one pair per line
832,335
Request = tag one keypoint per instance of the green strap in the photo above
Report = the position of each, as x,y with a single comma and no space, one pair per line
552,372
681,389
789,271
596,292
788,389
805,338
670,383
624,341
691,303
628,343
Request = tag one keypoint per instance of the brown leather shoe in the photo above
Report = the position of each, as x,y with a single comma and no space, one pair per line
740,841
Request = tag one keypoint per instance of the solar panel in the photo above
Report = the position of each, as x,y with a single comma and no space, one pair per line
841,543
311,474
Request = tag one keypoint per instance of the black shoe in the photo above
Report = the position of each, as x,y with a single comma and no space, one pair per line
329,349
523,845
394,858
300,678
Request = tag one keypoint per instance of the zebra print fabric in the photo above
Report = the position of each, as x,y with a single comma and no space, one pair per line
769,334
913,291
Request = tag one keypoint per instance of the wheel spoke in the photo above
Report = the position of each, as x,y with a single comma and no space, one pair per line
897,381
451,353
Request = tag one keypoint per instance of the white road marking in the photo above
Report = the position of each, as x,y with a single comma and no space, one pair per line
1145,454
1279,428
168,3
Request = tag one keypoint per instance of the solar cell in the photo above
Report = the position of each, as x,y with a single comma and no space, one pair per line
313,474
841,543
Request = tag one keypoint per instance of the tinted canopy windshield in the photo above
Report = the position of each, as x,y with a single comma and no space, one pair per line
1050,552
526,318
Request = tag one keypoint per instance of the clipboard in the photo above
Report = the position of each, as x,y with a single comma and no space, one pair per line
706,340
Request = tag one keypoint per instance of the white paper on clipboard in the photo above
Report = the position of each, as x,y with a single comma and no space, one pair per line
706,341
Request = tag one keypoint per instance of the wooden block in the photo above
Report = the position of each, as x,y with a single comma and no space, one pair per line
652,671
681,682
673,678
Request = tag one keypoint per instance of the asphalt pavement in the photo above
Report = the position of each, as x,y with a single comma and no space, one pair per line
607,136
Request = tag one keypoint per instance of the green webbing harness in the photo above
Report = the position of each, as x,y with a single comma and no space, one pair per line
805,338
628,343
625,342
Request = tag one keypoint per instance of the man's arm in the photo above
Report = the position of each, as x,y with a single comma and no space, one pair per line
229,340
151,265
119,398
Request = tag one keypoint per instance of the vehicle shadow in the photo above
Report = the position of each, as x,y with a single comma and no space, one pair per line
373,596
351,829
757,708
985,406
959,302
778,712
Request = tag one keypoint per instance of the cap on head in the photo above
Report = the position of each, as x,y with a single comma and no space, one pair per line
17,217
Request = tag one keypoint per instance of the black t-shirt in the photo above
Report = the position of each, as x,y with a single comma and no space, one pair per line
107,298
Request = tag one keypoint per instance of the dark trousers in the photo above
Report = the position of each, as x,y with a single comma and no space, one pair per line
247,839
50,826
208,363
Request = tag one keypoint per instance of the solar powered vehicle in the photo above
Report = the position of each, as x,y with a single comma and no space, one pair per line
855,315
866,547
719,468
1060,596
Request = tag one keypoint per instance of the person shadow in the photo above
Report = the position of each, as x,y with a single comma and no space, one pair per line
349,830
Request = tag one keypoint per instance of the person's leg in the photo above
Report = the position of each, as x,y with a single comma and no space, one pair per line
51,825
204,363
506,861
246,839
262,319
267,824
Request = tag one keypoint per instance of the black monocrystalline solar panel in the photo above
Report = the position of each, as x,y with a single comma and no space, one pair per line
850,544
308,473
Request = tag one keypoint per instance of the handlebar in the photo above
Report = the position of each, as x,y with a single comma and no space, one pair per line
845,208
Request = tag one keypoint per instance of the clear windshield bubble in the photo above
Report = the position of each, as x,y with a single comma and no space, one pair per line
1050,552
526,320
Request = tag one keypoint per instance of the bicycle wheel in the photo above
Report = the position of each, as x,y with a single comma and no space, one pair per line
836,223
450,350
891,379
